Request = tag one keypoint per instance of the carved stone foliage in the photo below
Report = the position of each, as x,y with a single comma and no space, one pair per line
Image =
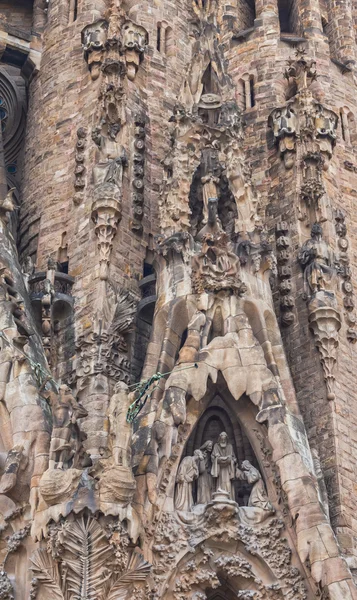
80,169
325,323
83,560
346,273
13,542
301,70
319,266
138,174
287,300
219,559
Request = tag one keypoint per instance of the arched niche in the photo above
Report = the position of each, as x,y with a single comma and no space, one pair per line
220,417
227,208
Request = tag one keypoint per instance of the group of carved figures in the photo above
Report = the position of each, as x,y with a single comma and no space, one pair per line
214,467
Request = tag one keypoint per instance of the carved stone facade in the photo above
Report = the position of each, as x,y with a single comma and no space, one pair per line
177,357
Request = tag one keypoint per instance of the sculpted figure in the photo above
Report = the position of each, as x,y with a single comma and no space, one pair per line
213,225
12,464
7,205
321,482
284,123
65,412
28,269
187,473
205,481
317,261
112,157
223,465
120,429
258,496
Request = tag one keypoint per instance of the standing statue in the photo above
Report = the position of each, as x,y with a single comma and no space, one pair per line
213,225
120,429
223,465
258,497
205,482
317,261
65,433
187,473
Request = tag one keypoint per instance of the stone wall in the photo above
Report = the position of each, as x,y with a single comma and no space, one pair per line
138,114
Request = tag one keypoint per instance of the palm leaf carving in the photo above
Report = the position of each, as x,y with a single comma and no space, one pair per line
45,569
87,567
124,312
89,560
138,570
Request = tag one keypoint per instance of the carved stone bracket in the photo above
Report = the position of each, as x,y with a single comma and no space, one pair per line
325,323
106,214
284,123
320,270
94,37
135,39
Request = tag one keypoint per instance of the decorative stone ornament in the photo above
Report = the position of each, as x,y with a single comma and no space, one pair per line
94,38
134,43
320,272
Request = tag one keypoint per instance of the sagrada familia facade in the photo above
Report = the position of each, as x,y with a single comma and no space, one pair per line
178,256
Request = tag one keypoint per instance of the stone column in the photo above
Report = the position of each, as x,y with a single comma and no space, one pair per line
58,13
342,31
267,15
266,6
3,181
39,16
310,18
248,101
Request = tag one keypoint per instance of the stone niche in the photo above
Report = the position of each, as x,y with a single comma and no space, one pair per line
216,419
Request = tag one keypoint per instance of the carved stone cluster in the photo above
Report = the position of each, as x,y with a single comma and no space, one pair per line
138,174
307,126
346,273
80,170
287,300
98,44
